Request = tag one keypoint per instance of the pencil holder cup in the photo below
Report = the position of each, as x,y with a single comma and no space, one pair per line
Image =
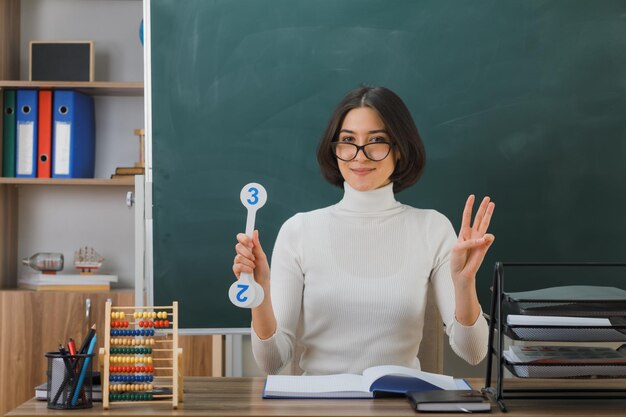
69,381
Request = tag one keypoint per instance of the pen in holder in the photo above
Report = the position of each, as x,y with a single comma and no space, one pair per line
65,383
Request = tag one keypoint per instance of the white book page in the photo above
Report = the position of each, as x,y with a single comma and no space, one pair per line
67,279
461,384
442,381
311,384
25,142
521,320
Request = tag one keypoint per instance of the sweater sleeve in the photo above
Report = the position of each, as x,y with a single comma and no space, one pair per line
286,286
468,342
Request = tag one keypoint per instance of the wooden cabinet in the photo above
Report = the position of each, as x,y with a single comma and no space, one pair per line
33,323
203,355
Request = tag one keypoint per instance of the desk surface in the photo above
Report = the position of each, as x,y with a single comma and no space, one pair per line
242,397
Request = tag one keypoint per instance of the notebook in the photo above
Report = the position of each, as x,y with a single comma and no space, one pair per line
462,401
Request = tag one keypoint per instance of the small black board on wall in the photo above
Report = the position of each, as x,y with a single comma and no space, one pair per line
61,61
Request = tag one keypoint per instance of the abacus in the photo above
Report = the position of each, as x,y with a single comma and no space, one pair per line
131,375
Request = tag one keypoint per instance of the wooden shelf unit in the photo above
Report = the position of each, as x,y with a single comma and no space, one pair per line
98,88
129,181
11,13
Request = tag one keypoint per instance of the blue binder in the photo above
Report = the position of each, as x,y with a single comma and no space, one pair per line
26,134
73,137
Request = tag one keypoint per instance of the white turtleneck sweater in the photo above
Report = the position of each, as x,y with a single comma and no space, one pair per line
355,277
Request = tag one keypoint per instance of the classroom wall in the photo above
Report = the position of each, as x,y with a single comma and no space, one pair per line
102,220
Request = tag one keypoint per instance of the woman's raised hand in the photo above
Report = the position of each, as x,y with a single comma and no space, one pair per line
473,242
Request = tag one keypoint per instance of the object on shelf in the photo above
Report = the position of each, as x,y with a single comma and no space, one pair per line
26,134
564,361
570,300
74,146
141,32
67,282
563,329
8,133
129,171
87,260
565,354
44,135
61,61
138,169
125,172
141,134
46,262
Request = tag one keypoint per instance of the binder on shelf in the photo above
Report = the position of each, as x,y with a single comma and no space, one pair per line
44,135
8,134
73,137
26,142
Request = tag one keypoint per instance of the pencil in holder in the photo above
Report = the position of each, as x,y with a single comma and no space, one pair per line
69,381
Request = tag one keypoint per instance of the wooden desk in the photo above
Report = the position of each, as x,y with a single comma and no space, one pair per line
242,397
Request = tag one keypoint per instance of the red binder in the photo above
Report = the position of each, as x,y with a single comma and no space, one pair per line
44,147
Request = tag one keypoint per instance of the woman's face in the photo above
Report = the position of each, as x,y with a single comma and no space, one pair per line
361,126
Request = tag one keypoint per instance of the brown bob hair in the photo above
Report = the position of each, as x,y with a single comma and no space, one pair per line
408,145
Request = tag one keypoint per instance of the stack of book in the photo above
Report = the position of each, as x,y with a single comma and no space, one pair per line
123,172
66,282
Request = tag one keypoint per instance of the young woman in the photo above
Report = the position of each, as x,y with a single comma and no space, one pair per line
350,281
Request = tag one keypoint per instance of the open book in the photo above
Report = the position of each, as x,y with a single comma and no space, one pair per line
375,381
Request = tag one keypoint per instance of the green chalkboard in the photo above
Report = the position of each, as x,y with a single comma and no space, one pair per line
522,100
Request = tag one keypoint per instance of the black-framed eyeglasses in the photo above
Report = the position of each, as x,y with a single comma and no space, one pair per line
375,151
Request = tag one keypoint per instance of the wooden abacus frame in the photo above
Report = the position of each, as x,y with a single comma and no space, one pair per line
170,335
